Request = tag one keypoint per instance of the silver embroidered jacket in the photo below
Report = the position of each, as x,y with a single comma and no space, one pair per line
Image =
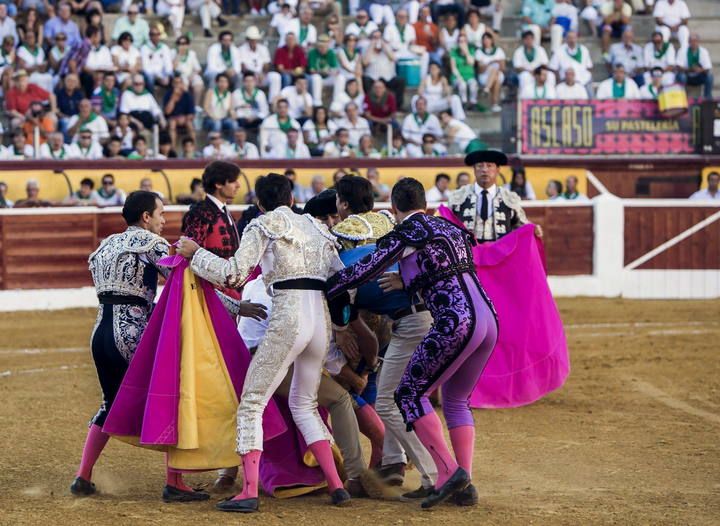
126,263
507,212
285,245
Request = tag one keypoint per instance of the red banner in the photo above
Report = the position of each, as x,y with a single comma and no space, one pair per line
557,127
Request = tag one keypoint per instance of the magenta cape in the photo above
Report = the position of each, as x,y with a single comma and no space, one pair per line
147,404
531,355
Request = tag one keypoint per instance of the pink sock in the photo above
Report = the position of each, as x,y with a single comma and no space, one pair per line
429,430
94,444
175,479
463,443
372,427
323,454
251,475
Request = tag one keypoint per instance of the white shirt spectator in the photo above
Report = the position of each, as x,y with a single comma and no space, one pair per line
216,64
98,126
380,65
659,59
280,21
157,61
631,57
131,101
8,153
363,33
671,14
46,152
648,91
529,192
297,102
484,58
342,99
125,57
335,151
294,27
459,133
705,195
523,63
449,40
99,59
246,151
223,151
271,134
250,107
93,152
255,60
578,59
605,90
399,41
575,92
8,28
475,36
357,129
315,135
283,151
568,11
189,68
434,195
413,129
681,59
534,92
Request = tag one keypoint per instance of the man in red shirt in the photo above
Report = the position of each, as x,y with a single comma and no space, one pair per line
427,33
290,60
21,95
380,107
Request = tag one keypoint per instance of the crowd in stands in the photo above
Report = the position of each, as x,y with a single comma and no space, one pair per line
74,88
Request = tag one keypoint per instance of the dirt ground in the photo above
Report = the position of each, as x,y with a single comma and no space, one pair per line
631,439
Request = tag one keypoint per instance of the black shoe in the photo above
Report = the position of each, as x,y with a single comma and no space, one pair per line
224,483
419,493
466,497
207,33
82,488
457,482
239,506
222,22
392,474
173,494
356,489
340,497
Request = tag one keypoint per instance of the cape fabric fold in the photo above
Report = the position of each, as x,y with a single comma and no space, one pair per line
530,358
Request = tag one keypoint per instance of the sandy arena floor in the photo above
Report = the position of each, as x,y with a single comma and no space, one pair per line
631,439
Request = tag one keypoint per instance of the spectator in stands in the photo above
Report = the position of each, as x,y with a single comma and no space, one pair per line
166,149
85,196
208,10
106,98
341,146
318,131
381,191
379,63
189,151
564,19
94,19
362,28
462,179
490,60
323,69
4,201
540,89
250,103
223,57
353,92
615,16
290,60
126,129
108,195
401,38
61,23
334,29
273,129
55,148
553,190
37,118
573,55
571,192
216,148
651,90
141,105
186,64
134,24
381,12
379,108
219,113
99,59
174,12
303,29
68,96
87,119
255,58
350,65
197,193
671,17
140,150
127,60
8,27
86,147
56,55
438,93
19,150
711,193
19,97
146,185
427,34
462,66
337,175
449,33
299,99
629,54
32,199
367,149
354,123
658,53
398,148
294,148
618,86
300,193
281,17
31,58
474,29
695,67
457,133
242,148
179,109
417,124
113,148
569,89
431,147
156,61
526,60
520,185
439,191
537,17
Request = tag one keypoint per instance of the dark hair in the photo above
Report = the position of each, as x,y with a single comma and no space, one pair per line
110,176
557,184
195,181
711,174
273,191
136,204
138,139
87,182
125,36
408,194
526,34
223,33
219,172
249,74
221,76
518,188
441,176
91,31
187,140
357,192
115,138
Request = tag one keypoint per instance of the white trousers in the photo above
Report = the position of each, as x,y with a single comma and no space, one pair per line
382,14
298,332
174,13
273,81
682,34
496,12
467,87
317,82
208,11
437,104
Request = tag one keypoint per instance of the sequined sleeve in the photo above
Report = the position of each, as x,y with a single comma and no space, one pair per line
158,251
234,271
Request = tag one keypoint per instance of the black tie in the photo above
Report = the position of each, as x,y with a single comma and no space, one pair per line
484,206
233,228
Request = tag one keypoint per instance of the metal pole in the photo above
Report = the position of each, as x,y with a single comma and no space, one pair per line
156,140
36,142
388,138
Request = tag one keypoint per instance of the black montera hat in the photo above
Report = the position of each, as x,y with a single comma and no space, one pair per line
486,156
322,204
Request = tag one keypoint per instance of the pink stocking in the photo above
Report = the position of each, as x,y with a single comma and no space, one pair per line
94,444
251,475
372,427
323,454
429,430
463,443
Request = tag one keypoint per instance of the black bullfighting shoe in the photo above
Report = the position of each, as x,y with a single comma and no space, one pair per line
239,506
172,494
419,493
82,488
340,497
466,497
457,482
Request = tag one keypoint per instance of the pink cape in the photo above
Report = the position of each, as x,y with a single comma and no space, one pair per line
530,358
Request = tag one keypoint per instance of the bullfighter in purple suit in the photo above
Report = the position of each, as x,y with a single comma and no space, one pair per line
436,260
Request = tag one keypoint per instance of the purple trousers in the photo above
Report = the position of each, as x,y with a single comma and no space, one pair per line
452,355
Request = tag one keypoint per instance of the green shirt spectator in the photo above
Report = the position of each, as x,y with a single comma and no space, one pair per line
324,64
465,67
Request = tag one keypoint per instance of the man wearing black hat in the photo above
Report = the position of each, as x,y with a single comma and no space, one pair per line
487,210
